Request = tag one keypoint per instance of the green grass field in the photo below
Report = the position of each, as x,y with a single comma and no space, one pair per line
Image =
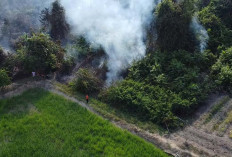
39,123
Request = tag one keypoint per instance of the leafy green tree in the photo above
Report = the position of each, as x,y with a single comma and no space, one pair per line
2,56
202,3
4,78
219,34
223,9
39,53
82,47
45,19
173,20
86,82
148,102
179,72
55,19
222,70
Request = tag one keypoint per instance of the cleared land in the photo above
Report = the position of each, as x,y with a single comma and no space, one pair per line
39,123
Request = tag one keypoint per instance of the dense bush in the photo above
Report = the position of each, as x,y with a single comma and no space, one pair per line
179,71
222,70
163,86
86,82
4,78
223,9
173,20
39,53
68,65
82,47
219,34
149,102
54,19
173,70
2,56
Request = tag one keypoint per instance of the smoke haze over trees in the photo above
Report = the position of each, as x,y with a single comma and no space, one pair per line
54,20
18,17
117,26
181,49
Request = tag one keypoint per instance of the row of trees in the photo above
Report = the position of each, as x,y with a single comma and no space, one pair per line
38,52
167,84
173,80
54,22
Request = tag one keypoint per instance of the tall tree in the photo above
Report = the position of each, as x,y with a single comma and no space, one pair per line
59,27
223,9
45,19
55,19
173,20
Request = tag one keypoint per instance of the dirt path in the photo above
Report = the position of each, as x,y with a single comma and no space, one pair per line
193,141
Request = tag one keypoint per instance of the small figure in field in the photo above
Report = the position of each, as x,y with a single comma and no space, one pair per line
87,98
33,74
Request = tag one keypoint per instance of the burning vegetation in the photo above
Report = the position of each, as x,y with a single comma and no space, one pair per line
159,59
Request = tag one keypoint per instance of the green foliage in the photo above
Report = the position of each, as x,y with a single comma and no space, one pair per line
68,65
82,47
59,26
202,3
4,78
39,53
86,82
222,70
149,102
10,63
173,20
179,72
219,34
2,56
39,123
223,9
55,19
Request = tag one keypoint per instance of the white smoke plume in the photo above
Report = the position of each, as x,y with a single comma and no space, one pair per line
23,16
200,33
117,25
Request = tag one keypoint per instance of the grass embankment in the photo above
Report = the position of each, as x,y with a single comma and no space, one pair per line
112,113
39,123
216,108
226,123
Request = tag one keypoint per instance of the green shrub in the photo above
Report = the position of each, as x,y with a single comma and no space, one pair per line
2,56
68,65
222,70
39,53
173,20
219,34
179,72
86,82
149,102
4,78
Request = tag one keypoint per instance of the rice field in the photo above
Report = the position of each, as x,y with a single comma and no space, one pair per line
42,124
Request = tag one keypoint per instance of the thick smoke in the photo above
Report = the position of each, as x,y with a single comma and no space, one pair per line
22,15
200,32
117,25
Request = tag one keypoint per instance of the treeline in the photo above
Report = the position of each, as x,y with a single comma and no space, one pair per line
40,51
165,86
171,82
175,77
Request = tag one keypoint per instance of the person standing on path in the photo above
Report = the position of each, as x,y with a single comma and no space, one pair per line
87,98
